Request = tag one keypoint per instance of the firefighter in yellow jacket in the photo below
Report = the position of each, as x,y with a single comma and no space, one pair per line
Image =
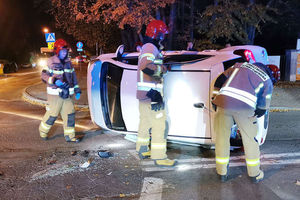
243,94
150,96
61,86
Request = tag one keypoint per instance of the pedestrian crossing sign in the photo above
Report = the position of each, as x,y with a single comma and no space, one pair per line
50,37
50,45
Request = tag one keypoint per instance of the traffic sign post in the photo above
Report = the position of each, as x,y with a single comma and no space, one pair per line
79,46
50,37
50,45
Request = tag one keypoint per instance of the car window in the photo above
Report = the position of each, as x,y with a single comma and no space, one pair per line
133,60
185,58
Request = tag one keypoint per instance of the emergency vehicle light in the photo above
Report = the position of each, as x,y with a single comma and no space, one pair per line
249,55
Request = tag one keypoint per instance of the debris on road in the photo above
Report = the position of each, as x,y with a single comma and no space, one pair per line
104,154
1,173
52,162
122,195
87,163
109,173
74,153
85,153
297,183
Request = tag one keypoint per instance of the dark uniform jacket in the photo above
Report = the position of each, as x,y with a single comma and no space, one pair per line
59,71
243,86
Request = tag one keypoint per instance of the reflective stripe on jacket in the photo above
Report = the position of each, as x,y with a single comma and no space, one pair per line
150,70
246,86
59,71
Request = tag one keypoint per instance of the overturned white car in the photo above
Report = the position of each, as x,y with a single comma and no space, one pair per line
112,84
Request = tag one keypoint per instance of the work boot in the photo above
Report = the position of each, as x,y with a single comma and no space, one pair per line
144,155
44,136
258,178
165,163
223,178
74,139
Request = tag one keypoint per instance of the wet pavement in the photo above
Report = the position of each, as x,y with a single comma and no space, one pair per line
31,168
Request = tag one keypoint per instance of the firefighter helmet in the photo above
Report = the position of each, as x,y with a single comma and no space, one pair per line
156,29
59,44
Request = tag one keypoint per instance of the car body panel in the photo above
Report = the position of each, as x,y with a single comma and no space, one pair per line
112,91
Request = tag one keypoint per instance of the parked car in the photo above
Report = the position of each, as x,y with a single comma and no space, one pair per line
9,66
112,84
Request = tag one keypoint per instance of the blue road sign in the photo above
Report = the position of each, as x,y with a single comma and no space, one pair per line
79,45
79,49
50,37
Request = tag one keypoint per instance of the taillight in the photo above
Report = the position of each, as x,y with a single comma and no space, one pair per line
249,56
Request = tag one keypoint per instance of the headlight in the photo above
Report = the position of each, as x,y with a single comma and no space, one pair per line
42,63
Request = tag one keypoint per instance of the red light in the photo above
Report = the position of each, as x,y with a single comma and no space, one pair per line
249,55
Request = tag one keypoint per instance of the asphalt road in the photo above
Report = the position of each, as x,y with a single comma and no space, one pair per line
34,169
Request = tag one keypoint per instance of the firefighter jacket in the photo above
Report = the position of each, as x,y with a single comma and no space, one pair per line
150,71
60,71
243,86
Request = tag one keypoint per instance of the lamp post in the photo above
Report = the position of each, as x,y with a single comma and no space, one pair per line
45,30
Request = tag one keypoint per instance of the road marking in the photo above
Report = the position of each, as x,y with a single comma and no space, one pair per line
152,188
37,117
185,167
233,158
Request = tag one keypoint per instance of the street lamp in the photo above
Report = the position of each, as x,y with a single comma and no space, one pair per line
45,30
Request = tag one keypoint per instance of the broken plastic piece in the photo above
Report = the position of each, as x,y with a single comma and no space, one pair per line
104,154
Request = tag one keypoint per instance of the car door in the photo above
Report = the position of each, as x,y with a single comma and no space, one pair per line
187,99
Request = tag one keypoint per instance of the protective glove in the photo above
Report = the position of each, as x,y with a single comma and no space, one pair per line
156,100
77,96
259,112
62,85
58,83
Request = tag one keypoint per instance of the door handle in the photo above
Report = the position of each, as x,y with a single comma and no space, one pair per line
199,105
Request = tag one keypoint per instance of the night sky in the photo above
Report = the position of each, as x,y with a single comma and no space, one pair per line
21,29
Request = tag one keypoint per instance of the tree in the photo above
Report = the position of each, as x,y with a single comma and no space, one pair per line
232,21
128,15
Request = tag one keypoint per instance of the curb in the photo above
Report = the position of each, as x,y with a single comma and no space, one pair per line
41,102
283,109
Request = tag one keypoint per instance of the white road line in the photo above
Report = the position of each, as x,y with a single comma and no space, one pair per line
152,189
196,160
37,117
210,165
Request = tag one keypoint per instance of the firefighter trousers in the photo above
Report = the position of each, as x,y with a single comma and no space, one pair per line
154,121
64,107
224,120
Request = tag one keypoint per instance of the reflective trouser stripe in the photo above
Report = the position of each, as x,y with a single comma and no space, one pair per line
222,160
159,145
252,162
69,130
45,126
142,141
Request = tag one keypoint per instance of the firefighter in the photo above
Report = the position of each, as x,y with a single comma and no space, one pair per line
61,86
150,96
243,94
